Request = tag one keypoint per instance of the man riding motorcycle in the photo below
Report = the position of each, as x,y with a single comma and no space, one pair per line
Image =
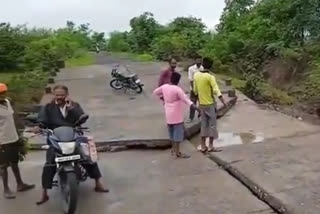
62,112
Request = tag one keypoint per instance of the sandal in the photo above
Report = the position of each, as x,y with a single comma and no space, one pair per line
214,150
204,150
101,190
182,156
26,187
9,195
43,200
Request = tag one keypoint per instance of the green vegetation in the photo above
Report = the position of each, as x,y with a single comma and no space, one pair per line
82,60
134,57
271,46
27,56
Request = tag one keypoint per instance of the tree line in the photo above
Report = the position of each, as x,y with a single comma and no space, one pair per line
27,49
29,55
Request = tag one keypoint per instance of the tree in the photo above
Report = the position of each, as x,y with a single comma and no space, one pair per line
12,46
169,46
118,42
98,40
193,32
144,29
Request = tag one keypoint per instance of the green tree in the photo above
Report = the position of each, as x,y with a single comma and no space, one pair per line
12,46
118,42
144,29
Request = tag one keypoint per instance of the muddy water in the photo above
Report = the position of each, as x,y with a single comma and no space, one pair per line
229,139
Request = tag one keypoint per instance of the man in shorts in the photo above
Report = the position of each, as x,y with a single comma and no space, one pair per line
11,147
174,102
206,88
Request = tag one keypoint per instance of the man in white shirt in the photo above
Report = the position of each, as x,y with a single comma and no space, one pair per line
191,71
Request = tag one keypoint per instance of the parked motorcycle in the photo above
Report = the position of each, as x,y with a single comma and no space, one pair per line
69,159
120,81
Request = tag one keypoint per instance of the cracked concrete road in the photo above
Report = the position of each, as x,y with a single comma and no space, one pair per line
140,181
285,163
146,182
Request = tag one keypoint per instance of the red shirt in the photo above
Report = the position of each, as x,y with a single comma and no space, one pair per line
165,77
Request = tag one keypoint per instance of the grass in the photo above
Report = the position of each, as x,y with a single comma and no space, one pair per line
82,60
268,92
5,77
24,88
236,82
135,57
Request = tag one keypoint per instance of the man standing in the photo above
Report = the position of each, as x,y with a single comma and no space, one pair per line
174,102
165,76
191,72
11,147
206,87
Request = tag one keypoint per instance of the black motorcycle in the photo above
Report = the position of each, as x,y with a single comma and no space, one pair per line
67,143
120,81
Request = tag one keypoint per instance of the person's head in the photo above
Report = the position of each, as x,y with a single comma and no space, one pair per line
60,92
198,62
207,63
175,78
3,91
173,63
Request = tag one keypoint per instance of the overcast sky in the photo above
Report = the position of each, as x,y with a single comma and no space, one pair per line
105,15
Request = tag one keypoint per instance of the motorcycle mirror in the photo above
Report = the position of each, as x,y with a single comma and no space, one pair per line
83,118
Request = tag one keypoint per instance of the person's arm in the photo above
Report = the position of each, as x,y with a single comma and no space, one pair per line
195,88
158,92
190,76
75,111
161,78
42,121
216,90
182,96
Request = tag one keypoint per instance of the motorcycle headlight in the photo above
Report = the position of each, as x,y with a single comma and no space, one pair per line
67,148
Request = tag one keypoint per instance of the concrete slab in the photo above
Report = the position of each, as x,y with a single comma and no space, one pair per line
146,182
284,162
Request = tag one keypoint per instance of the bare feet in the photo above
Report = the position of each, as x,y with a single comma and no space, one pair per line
100,188
43,200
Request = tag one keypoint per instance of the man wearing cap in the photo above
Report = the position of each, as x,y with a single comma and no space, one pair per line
11,146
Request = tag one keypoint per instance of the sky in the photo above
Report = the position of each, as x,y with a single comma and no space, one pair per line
105,15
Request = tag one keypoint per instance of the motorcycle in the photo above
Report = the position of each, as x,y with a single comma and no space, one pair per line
120,81
69,159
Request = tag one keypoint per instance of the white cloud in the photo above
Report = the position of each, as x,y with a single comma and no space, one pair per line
105,15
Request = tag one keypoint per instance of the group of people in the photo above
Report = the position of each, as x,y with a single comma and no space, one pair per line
204,89
62,111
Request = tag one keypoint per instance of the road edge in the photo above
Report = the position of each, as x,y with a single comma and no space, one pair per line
273,202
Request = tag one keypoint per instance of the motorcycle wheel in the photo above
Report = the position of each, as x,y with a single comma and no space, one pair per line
116,84
70,193
138,89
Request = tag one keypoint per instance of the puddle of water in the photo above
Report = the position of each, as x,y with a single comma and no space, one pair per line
229,139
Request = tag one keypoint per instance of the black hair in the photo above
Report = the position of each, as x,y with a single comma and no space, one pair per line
175,78
207,63
63,87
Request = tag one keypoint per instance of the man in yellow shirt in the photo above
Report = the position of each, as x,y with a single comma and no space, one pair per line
206,88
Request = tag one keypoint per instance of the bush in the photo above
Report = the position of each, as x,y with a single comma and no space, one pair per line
169,46
144,57
253,86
